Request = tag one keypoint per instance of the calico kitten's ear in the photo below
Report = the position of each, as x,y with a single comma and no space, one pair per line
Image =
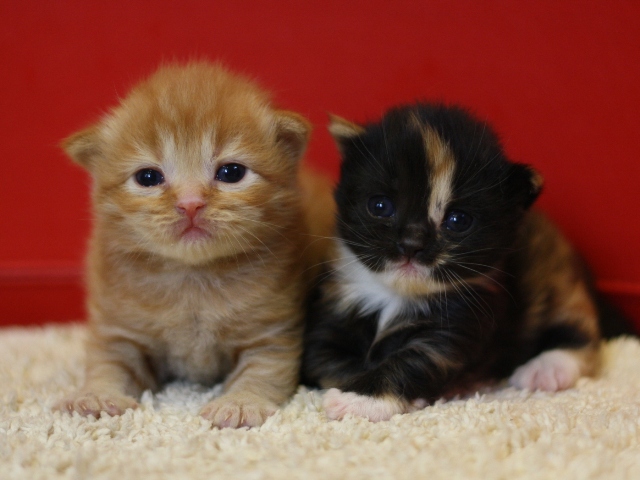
84,147
526,183
292,133
343,131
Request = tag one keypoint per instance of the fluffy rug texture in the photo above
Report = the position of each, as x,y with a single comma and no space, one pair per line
592,431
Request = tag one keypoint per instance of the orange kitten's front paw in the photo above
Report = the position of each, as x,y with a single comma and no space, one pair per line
234,411
338,404
89,403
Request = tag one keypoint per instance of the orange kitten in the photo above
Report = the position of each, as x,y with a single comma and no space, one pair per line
195,262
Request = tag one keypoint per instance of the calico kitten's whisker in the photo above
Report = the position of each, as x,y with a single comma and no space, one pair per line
346,242
483,265
343,266
481,302
319,277
468,298
376,163
470,237
454,284
468,253
354,231
477,174
470,290
489,278
474,193
442,290
357,234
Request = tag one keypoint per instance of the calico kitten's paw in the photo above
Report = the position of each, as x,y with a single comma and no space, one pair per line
89,403
235,411
550,371
338,404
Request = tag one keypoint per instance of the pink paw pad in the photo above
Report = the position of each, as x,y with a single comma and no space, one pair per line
229,412
89,403
338,404
550,371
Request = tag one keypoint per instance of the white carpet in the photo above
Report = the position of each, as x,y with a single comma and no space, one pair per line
592,431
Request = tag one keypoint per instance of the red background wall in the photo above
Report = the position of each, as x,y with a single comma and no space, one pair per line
559,80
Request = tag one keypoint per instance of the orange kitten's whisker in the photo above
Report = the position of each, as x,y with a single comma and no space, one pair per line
260,241
277,229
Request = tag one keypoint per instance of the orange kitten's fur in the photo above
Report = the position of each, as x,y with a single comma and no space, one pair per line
225,305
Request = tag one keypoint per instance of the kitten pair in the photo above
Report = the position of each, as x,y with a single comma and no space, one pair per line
200,246
207,235
442,276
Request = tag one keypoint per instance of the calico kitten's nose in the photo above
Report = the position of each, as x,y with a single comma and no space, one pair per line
189,206
409,249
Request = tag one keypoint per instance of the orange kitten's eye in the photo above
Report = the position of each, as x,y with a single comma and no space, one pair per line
149,177
231,173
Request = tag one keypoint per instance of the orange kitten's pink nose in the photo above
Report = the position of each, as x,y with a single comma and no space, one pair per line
189,206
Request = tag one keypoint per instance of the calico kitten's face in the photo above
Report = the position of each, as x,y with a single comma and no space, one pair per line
427,197
193,165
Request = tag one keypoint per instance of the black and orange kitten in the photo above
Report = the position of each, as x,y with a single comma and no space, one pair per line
442,276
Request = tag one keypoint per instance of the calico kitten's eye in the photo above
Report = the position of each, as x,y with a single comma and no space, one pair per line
381,206
458,221
149,177
231,173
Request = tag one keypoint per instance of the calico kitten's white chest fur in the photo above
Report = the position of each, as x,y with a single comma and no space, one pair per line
370,291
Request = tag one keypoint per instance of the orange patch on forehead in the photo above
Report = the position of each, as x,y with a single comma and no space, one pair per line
441,165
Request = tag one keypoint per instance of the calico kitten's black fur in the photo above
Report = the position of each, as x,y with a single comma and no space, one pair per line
442,275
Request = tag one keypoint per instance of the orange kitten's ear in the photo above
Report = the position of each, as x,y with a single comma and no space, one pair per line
343,130
84,147
292,133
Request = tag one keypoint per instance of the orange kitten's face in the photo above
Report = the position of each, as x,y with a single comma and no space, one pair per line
194,165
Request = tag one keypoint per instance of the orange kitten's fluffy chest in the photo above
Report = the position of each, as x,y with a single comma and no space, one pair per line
188,323
191,343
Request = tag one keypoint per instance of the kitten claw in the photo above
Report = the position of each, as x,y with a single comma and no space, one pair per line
89,403
232,412
338,404
550,372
